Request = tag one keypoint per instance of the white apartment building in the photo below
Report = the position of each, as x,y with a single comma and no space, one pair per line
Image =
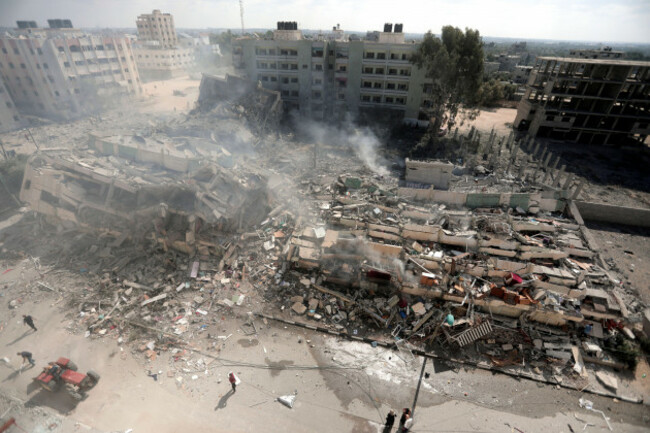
9,117
66,74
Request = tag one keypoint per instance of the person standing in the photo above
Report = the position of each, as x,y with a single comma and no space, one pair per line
390,420
405,412
234,381
27,356
407,424
28,320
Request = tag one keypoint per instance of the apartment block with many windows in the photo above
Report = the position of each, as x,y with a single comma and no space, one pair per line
158,28
591,101
64,75
331,77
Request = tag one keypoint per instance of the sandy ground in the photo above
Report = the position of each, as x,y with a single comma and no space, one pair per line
501,119
341,386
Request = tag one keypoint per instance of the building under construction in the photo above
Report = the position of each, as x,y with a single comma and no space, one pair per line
591,101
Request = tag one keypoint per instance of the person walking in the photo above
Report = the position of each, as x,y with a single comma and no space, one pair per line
390,420
234,381
405,412
407,424
27,356
28,320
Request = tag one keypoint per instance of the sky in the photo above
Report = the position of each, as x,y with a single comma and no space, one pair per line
583,20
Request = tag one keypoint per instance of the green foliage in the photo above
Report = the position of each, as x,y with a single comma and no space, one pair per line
224,39
636,55
454,61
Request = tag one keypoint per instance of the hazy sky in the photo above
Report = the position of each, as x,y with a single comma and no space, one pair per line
587,20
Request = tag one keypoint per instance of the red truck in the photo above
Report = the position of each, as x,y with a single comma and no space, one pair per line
64,371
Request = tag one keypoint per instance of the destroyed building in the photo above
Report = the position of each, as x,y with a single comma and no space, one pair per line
262,107
135,184
585,100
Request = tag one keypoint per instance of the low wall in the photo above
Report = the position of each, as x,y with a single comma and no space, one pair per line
608,213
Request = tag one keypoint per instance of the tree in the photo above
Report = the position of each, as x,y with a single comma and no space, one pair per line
454,62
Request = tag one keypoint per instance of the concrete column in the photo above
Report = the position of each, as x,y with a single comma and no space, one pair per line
559,174
537,144
578,190
568,181
522,168
555,163
547,172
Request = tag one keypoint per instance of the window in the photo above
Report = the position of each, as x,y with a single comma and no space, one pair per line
365,98
367,84
370,55
8,104
285,80
11,65
316,95
45,66
342,68
402,87
294,93
367,70
31,51
381,56
377,86
376,99
318,81
318,67
265,78
392,72
389,100
274,79
4,50
379,71
79,62
15,50
56,93
66,64
294,80
390,86
294,67
22,66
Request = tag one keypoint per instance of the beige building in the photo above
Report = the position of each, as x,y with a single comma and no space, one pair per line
9,117
64,75
332,76
157,28
157,51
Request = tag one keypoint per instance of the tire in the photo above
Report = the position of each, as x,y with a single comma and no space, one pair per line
51,386
76,396
93,375
72,366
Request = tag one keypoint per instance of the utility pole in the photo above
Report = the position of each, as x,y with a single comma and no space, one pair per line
417,390
241,15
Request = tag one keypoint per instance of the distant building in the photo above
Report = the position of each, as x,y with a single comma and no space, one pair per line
158,53
331,76
603,53
61,73
591,101
157,28
521,73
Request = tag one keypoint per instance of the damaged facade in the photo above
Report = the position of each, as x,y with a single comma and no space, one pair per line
134,185
586,100
330,77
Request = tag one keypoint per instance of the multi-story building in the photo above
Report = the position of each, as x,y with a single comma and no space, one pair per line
9,117
592,101
330,77
603,53
66,74
157,51
158,28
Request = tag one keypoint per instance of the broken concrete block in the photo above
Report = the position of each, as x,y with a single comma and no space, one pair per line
507,347
299,308
313,304
296,299
607,379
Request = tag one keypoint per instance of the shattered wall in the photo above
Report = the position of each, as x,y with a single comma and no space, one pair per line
262,107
